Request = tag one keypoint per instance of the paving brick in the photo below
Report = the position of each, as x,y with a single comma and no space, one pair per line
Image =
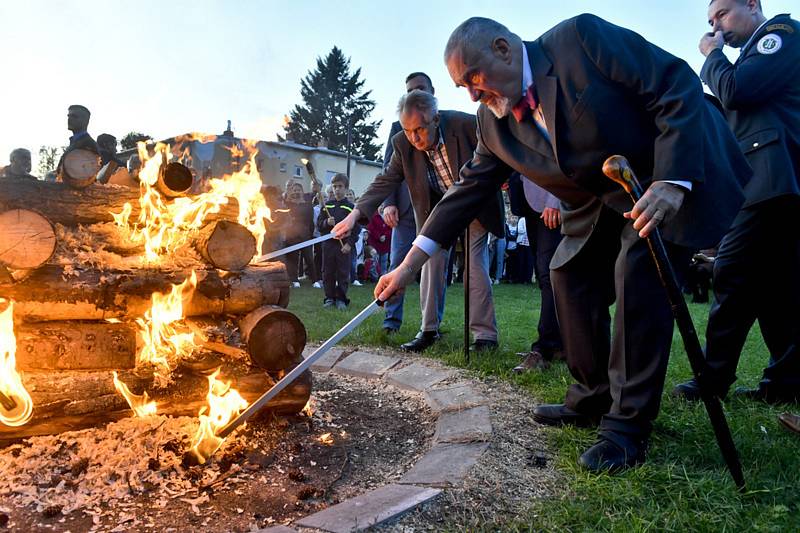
365,365
369,509
453,398
468,425
445,465
326,362
416,377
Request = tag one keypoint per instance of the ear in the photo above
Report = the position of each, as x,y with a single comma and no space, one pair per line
501,49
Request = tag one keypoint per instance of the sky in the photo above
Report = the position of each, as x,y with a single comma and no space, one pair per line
169,67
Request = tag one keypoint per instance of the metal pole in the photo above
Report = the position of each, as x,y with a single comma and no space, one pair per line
349,140
618,169
466,294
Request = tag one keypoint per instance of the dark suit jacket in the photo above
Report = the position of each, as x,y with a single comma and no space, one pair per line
760,94
605,90
410,165
400,197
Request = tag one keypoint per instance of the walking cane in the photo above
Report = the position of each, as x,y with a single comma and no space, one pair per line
466,294
618,169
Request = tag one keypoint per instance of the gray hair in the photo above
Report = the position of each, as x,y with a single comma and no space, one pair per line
421,101
16,152
475,32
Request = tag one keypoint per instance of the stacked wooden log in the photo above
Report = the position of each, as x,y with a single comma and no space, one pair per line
75,323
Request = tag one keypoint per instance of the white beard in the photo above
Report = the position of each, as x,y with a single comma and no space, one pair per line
500,107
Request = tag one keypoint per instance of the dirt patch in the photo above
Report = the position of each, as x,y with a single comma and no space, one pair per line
129,476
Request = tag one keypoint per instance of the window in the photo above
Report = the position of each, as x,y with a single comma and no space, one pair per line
298,171
283,167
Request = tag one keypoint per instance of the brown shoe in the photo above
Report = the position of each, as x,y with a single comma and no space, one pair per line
790,421
532,361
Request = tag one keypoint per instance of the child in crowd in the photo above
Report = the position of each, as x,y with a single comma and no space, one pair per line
336,255
299,228
380,240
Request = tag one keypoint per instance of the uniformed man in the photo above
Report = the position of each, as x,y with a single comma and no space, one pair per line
19,164
756,269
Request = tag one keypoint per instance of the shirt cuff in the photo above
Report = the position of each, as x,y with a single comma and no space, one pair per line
685,184
429,246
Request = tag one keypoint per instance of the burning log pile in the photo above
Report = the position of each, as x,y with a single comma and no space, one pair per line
102,280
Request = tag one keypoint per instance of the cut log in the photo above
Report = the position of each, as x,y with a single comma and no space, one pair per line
79,168
226,245
275,337
91,205
174,180
27,239
75,346
69,401
57,293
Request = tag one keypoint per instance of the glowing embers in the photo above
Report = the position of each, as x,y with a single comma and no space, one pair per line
224,403
16,406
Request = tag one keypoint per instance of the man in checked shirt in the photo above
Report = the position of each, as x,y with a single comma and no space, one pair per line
428,155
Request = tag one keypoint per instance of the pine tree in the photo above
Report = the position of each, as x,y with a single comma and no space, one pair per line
331,97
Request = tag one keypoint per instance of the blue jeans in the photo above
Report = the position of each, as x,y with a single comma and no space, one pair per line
499,258
402,237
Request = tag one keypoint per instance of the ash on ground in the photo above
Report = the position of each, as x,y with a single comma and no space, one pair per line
130,475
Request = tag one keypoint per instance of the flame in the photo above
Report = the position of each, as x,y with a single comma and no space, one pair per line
326,439
310,407
163,226
224,403
141,405
162,344
16,405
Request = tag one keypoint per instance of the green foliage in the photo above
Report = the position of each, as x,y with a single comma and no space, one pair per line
131,138
332,97
683,486
48,158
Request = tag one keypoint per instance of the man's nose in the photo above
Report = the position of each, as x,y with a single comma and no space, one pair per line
715,27
474,94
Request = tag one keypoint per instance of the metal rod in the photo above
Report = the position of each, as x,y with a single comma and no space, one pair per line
294,248
618,169
287,380
465,275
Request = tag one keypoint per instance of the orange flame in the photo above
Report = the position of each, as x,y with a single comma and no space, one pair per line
326,439
163,226
162,344
141,405
310,407
224,403
17,407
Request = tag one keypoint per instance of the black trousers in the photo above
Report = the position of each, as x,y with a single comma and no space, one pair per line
545,242
620,377
335,271
757,277
292,261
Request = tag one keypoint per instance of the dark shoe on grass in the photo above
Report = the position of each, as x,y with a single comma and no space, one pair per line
421,342
533,361
790,421
606,456
559,414
767,395
690,391
483,345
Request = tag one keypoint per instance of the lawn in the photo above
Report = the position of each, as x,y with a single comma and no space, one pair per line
684,485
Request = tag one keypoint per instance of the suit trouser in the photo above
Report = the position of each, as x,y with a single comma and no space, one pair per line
757,277
545,240
292,262
621,377
402,237
335,271
482,321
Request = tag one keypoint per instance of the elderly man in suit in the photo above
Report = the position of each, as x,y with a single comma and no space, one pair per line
756,268
427,157
554,109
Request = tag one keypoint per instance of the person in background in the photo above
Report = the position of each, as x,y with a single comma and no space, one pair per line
19,165
336,254
299,228
379,239
358,249
107,147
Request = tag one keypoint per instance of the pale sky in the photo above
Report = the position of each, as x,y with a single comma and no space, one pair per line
168,67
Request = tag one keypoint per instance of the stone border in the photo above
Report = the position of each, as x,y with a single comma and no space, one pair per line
463,431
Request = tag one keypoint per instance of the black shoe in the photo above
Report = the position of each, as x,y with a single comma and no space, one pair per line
422,341
533,361
690,391
767,395
560,415
328,303
483,345
608,456
390,331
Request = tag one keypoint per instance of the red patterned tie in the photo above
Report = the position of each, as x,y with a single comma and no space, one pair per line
528,102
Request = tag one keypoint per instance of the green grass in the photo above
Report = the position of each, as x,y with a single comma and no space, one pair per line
684,485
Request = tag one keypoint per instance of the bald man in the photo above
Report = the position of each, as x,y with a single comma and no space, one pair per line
20,165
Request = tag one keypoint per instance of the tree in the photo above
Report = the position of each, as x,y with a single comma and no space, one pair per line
48,158
332,96
131,138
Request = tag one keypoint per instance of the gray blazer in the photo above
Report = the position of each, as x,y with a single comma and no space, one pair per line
409,165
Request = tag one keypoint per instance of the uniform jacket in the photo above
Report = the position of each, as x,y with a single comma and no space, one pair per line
410,165
605,90
338,209
400,197
760,95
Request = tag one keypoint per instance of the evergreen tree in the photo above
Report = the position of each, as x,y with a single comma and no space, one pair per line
131,138
332,96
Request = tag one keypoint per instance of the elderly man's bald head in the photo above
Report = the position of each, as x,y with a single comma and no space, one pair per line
20,159
476,34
